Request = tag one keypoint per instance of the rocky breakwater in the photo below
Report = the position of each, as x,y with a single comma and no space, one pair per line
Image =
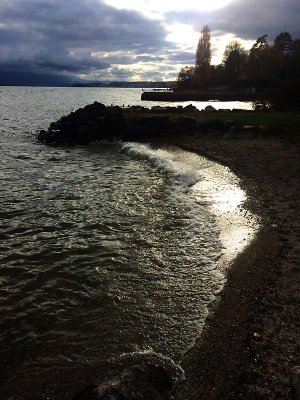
96,122
91,123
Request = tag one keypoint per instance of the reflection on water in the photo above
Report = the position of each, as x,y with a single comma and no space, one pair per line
221,193
215,188
101,254
228,199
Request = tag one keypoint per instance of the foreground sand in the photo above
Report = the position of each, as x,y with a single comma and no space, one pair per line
252,339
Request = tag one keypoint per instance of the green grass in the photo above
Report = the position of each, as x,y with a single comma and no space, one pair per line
285,125
276,123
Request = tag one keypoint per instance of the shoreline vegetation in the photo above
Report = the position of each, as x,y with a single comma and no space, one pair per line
251,340
268,73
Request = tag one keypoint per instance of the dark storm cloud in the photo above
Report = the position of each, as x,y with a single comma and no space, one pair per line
247,19
149,59
253,18
182,57
120,73
63,37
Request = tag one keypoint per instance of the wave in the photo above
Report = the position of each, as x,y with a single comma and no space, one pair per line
213,189
185,169
165,161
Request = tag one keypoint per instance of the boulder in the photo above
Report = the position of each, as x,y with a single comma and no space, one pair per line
154,122
239,110
93,122
210,108
114,110
139,109
190,108
159,109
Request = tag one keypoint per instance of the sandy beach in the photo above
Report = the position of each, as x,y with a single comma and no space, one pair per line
252,339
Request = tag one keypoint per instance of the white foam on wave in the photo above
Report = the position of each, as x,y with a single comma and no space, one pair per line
186,175
183,167
212,200
212,187
165,160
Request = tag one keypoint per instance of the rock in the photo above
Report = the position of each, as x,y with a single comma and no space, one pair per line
190,108
139,109
154,121
146,127
93,122
210,108
114,110
95,107
159,109
239,110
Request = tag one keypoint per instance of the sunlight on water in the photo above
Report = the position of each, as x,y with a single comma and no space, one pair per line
214,187
221,193
228,199
105,251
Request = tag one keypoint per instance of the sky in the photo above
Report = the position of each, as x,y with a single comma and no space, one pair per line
71,40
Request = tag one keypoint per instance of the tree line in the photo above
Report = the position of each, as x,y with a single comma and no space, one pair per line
270,68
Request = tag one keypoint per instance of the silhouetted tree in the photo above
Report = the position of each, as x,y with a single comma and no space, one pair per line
216,75
234,60
185,78
265,63
295,60
271,67
283,41
203,57
288,95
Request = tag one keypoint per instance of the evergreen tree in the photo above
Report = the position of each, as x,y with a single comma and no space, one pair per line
283,41
234,60
203,56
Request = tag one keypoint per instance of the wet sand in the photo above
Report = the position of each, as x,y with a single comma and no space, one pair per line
252,338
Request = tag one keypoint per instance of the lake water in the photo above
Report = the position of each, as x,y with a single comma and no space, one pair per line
110,255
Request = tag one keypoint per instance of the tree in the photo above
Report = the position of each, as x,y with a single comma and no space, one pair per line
265,63
257,58
234,60
260,44
203,56
283,41
295,60
203,52
217,75
185,77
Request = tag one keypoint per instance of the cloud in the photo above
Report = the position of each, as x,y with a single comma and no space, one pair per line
182,57
246,19
89,33
252,18
52,38
149,58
